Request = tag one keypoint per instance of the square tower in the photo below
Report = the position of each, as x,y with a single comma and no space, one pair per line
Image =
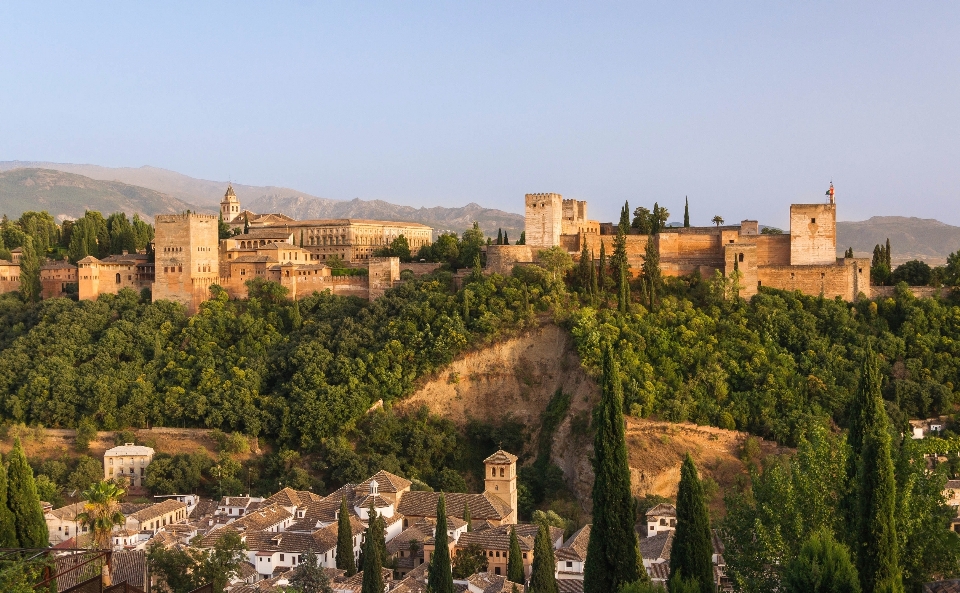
813,234
544,220
500,479
187,263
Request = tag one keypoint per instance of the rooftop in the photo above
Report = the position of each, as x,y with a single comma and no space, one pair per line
501,457
127,449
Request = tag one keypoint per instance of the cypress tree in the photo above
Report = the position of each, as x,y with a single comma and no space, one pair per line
372,559
24,502
523,238
543,576
345,559
506,239
246,224
466,516
515,560
651,270
876,492
686,212
499,236
593,277
8,531
30,271
625,218
623,296
440,574
887,254
602,271
612,552
692,552
583,269
822,566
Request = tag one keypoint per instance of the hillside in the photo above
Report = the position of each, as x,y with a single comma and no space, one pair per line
442,219
521,375
66,195
910,238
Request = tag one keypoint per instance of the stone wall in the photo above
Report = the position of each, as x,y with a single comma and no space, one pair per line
187,261
384,274
813,234
502,258
544,219
743,259
843,278
420,268
917,291
773,250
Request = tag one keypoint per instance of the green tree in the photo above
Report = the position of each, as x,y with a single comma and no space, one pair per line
686,212
86,432
101,512
499,237
373,546
469,560
221,564
523,238
223,229
659,218
23,500
583,269
439,573
345,558
172,567
914,273
30,261
543,574
642,220
603,279
86,472
823,566
309,576
613,555
717,220
619,257
506,238
8,533
651,272
623,295
515,559
556,260
692,552
471,245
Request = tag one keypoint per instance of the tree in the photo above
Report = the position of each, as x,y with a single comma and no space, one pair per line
623,296
556,260
686,212
30,261
692,552
223,229
914,273
87,472
651,271
523,238
848,253
220,565
345,559
246,223
642,220
603,279
499,236
471,245
613,555
373,559
717,220
583,269
658,218
515,571
875,486
23,501
400,247
8,533
823,566
469,560
506,238
619,258
439,573
86,432
624,223
309,577
101,512
543,574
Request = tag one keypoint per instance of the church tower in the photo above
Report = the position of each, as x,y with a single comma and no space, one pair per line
501,479
230,205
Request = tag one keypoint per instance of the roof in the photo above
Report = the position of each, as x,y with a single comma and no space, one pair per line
575,548
230,193
570,586
501,457
67,513
492,583
951,586
234,501
386,482
378,502
424,504
498,538
350,221
58,265
952,485
158,510
129,566
250,259
419,532
659,571
263,518
127,448
266,233
657,547
289,497
662,510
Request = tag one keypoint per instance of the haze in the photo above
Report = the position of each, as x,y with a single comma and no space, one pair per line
743,108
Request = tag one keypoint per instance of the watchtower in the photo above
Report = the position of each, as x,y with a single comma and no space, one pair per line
186,258
230,205
813,234
544,219
501,478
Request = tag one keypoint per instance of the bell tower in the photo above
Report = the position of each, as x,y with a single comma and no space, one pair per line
501,479
230,205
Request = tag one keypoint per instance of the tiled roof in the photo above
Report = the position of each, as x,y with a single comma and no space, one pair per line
263,234
501,457
250,259
659,571
952,586
355,583
492,583
263,518
424,504
289,497
657,547
325,510
129,566
953,485
386,482
378,502
498,538
158,510
58,265
662,510
576,544
69,512
569,586
418,533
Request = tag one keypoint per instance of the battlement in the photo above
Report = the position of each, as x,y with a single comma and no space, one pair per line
162,218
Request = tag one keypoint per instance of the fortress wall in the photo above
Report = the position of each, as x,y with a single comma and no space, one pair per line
773,250
917,291
383,273
813,234
502,258
742,258
420,268
839,279
544,219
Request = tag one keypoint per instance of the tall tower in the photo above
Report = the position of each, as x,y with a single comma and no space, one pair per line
544,219
186,262
813,234
229,205
501,479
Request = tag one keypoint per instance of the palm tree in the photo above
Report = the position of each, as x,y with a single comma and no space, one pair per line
717,220
102,511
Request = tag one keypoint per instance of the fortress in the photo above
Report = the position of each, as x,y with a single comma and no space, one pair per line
189,257
805,259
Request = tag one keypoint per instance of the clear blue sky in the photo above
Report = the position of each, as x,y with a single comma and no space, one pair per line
744,106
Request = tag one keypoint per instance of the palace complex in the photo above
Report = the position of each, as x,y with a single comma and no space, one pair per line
804,259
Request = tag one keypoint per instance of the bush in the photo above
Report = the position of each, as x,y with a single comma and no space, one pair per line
86,432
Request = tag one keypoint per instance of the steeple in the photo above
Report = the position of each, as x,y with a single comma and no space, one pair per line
230,205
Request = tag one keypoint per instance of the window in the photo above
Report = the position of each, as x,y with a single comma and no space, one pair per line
118,278
496,570
741,258
493,472
813,221
569,564
281,557
501,472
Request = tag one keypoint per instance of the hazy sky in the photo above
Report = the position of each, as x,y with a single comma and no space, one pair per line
743,106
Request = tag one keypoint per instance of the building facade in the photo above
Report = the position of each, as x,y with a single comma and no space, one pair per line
127,461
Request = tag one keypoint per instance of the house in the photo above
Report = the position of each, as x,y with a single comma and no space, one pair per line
236,506
495,542
572,556
156,516
662,517
127,461
487,582
62,523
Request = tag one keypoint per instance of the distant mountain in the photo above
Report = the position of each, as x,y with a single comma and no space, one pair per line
65,195
193,191
910,238
441,219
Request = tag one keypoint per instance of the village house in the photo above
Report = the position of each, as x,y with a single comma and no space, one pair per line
62,523
127,461
156,516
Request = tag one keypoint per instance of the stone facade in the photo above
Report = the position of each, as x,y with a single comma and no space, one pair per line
186,251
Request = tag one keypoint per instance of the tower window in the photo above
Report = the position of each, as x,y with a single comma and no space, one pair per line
741,257
813,221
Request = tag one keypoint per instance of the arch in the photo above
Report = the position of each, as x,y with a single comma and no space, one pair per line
118,277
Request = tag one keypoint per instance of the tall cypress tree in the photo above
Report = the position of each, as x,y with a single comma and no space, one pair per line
887,254
24,502
686,212
515,560
499,236
8,531
30,261
875,491
506,238
623,296
602,270
372,558
624,224
345,559
440,574
612,552
594,290
692,552
583,269
651,271
543,574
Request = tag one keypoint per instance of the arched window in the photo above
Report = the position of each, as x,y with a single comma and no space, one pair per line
118,278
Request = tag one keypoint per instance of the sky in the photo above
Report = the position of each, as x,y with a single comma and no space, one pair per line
743,107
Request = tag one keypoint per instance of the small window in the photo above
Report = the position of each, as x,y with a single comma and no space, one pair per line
569,564
501,472
741,258
496,570
813,221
